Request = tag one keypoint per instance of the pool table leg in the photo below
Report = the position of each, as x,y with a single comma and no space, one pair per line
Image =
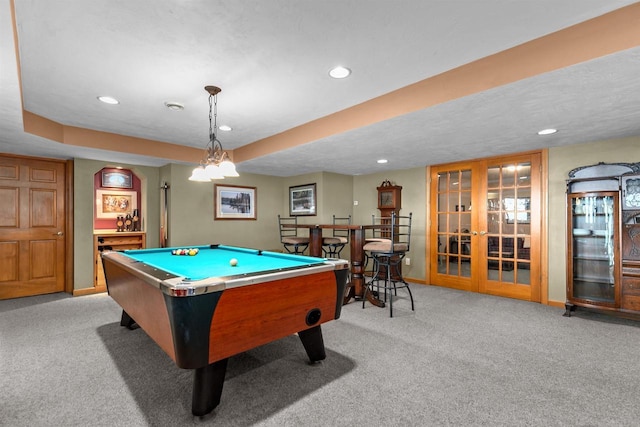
127,321
207,387
313,343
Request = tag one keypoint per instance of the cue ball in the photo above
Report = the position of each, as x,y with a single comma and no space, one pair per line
233,262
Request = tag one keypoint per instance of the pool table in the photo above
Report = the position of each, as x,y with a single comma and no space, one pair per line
201,310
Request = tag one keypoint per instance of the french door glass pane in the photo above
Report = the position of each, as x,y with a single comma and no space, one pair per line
508,223
454,222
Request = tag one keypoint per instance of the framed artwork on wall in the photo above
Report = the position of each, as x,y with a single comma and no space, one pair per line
115,203
302,200
235,202
116,178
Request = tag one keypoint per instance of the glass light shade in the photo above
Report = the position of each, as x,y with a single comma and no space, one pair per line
215,164
199,175
213,172
228,168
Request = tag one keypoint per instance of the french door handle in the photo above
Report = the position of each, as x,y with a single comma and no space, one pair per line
475,233
482,233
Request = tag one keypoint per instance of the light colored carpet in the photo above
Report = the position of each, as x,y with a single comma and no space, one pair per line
460,359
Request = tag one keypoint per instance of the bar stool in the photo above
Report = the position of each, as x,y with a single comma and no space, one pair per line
332,246
289,236
387,254
377,235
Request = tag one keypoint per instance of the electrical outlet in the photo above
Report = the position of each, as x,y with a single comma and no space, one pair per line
355,203
407,261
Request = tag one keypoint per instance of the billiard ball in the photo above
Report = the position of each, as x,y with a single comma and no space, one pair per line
192,252
233,262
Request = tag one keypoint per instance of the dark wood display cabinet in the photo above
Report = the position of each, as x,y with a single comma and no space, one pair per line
603,236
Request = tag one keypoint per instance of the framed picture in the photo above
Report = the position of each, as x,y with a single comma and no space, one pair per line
116,178
302,200
234,202
114,203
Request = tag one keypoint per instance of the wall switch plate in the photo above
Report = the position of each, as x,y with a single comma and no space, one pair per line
407,261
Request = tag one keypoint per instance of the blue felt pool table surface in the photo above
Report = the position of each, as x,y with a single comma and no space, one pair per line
214,261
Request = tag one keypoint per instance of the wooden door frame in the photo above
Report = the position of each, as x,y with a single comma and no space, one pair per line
69,235
431,251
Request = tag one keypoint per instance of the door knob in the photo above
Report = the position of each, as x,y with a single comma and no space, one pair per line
59,233
482,233
475,233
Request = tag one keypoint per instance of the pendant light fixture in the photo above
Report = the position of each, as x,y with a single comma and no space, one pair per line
216,163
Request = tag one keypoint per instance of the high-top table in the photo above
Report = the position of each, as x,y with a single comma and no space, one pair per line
356,242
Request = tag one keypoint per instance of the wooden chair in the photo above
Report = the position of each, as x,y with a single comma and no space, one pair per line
332,246
289,236
387,253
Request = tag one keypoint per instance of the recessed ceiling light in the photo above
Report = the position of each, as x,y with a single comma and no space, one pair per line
108,100
381,161
225,128
175,106
339,72
547,131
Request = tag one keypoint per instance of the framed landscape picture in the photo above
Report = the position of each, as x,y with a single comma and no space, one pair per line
234,202
302,200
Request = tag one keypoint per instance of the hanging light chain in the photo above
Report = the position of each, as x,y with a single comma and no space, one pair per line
216,163
215,153
213,98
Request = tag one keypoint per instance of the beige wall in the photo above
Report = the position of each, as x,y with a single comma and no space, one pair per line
337,194
190,209
191,215
414,193
191,206
561,161
334,196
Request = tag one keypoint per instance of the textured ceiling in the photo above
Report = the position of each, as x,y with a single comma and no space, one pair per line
271,60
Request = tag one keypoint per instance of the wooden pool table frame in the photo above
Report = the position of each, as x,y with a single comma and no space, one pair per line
201,324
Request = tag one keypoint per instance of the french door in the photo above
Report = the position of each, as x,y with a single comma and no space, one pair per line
485,226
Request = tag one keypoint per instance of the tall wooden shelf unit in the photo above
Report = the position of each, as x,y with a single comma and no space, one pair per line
112,240
603,237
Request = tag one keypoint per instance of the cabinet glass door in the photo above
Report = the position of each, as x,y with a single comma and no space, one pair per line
593,250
